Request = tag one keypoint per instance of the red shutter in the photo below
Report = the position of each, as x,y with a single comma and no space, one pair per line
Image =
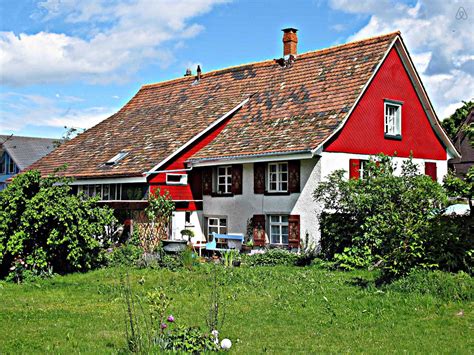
430,170
294,176
258,222
207,181
354,168
237,179
259,178
294,231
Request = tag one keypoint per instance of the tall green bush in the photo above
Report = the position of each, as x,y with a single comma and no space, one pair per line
43,225
386,219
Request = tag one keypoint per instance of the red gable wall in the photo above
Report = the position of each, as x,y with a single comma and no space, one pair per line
363,132
193,190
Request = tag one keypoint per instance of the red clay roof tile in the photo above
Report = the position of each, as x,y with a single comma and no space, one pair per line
293,108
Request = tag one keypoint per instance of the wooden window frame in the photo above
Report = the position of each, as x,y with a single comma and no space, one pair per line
227,184
218,226
394,132
279,181
182,181
280,224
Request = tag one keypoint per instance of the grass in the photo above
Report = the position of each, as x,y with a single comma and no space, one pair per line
269,309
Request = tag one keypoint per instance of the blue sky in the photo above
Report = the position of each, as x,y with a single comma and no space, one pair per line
74,62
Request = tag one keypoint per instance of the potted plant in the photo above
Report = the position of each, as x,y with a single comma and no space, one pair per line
187,234
247,246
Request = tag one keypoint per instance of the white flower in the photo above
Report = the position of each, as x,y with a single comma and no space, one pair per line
226,344
215,333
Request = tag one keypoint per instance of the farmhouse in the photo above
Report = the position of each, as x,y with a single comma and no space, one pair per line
241,149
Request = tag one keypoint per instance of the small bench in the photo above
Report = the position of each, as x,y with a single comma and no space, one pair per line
234,242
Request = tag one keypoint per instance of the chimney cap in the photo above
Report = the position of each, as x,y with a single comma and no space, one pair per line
290,29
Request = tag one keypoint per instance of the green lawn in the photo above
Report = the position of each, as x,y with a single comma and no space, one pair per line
273,309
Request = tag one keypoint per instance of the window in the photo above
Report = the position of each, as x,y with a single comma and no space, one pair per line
224,179
278,177
279,230
363,171
393,119
116,158
11,167
115,192
176,179
216,225
2,163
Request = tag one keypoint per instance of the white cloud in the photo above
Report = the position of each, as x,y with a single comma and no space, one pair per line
37,110
120,37
441,46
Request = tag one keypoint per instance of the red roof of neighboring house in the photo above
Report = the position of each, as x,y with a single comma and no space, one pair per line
292,108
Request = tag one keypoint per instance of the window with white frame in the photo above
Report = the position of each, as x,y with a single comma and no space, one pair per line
224,179
216,225
279,230
106,192
277,177
176,179
363,169
393,119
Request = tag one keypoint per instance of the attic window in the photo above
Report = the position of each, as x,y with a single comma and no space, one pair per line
176,179
393,119
116,158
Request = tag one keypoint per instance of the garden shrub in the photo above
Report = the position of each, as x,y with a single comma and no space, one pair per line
444,285
386,219
127,254
451,243
271,257
46,226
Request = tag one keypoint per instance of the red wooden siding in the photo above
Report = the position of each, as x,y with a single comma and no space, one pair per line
193,190
363,132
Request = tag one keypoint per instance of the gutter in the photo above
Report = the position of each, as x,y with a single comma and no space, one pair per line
252,158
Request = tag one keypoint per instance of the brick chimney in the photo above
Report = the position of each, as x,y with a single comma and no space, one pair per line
290,42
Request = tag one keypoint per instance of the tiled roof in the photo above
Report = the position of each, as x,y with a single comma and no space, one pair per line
26,150
292,108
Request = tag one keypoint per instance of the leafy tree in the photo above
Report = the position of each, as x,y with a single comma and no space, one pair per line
460,188
452,124
383,218
69,134
43,225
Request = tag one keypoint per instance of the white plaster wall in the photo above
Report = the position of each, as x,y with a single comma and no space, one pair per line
178,223
239,208
336,161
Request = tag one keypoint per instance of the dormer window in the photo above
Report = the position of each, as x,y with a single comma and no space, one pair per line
116,158
393,119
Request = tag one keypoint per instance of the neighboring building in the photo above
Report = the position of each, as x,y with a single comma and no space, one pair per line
242,149
461,165
18,153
